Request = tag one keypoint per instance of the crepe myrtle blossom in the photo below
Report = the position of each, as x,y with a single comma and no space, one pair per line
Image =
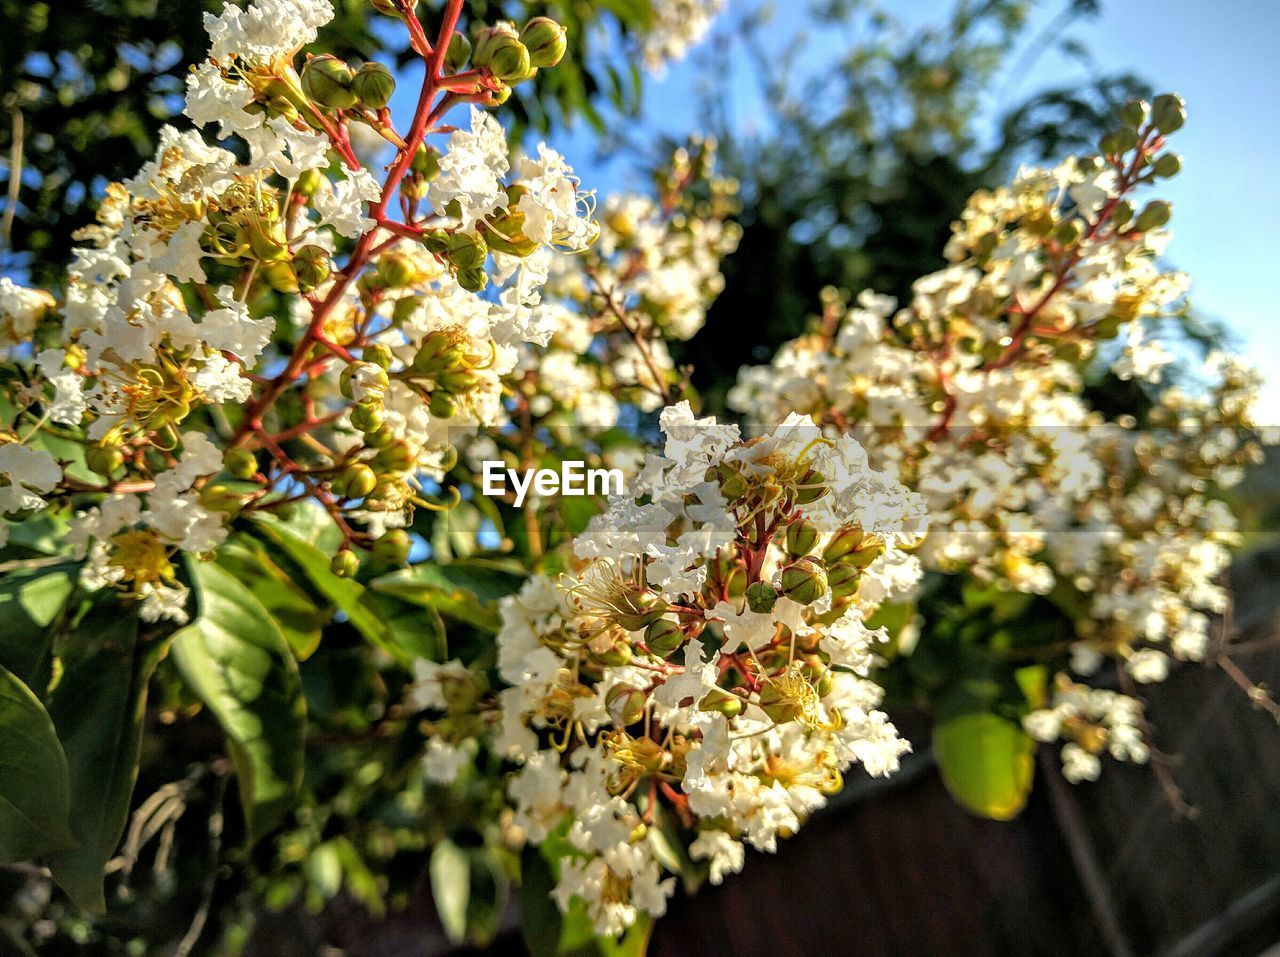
972,393
386,304
702,662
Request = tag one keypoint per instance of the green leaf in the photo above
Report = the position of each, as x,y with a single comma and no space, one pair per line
29,605
97,708
986,763
450,871
35,796
350,597
299,616
465,590
234,657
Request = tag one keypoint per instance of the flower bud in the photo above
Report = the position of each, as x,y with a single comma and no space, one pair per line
459,52
308,182
311,267
395,456
1169,164
219,498
345,564
1134,113
1154,215
363,380
801,537
426,161
664,637
1119,141
240,462
500,51
545,41
357,480
366,417
761,597
843,578
732,485
442,405
458,381
1168,113
392,546
396,270
280,277
379,354
625,705
104,460
1068,232
721,702
326,80
611,653
1121,213
373,85
814,487
467,251
380,437
804,581
842,543
473,280
866,553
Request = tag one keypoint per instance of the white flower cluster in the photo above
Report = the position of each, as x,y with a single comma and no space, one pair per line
703,664
973,395
173,307
678,25
1092,721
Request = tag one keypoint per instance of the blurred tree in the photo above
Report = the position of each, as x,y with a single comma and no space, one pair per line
84,91
858,172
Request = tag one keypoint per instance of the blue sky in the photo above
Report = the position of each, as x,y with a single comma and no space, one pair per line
1222,58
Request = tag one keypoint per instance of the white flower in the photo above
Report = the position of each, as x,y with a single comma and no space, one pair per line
26,473
471,171
343,206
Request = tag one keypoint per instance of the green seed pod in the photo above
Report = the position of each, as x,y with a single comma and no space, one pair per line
345,564
1169,164
614,656
467,251
761,597
1154,215
358,480
843,578
473,280
326,81
801,537
545,40
842,543
392,546
240,462
373,85
664,637
804,581
311,267
1168,113
104,460
366,417
500,51
625,705
459,52
721,702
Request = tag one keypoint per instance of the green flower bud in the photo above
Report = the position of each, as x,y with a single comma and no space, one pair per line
345,564
843,578
545,40
842,543
395,456
380,438
1069,231
311,267
801,537
1169,164
458,381
1121,213
240,462
439,352
366,417
1134,113
722,702
804,581
467,251
866,553
459,52
664,637
761,597
379,354
367,371
373,85
1119,141
1168,113
104,460
614,655
426,161
442,405
500,51
358,480
396,270
326,80
392,546
1154,215
220,498
815,486
625,705
308,182
473,280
